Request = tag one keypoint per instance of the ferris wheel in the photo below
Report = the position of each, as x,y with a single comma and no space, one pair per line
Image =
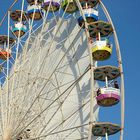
51,83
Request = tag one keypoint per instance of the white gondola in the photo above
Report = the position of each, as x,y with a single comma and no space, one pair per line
19,29
54,5
34,11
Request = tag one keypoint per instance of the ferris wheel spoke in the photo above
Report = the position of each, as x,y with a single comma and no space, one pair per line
44,21
66,119
61,86
2,115
60,131
31,26
57,27
59,44
10,97
59,108
72,85
61,59
68,136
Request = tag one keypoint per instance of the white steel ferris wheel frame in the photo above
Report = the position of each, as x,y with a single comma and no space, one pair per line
92,64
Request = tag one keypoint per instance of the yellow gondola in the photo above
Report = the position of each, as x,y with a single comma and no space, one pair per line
101,50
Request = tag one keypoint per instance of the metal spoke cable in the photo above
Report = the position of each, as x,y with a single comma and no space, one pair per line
71,115
55,100
50,76
60,131
15,67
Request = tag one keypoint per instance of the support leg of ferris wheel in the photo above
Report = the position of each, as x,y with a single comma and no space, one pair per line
120,66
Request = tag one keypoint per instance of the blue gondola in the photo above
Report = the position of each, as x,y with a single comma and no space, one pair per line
91,15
